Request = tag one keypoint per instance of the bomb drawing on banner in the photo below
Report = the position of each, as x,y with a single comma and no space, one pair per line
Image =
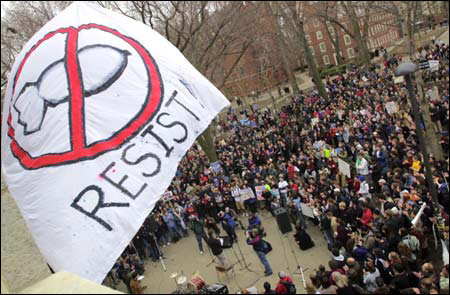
36,97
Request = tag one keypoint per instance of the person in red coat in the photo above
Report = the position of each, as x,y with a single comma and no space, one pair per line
366,219
282,286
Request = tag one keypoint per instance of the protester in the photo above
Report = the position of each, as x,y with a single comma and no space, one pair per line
216,248
285,284
259,246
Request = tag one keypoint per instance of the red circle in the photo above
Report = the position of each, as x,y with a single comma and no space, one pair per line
80,151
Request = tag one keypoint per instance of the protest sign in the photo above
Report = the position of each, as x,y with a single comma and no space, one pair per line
399,80
215,166
307,210
391,107
246,194
344,168
259,190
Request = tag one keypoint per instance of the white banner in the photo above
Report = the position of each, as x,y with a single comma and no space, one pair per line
98,112
344,168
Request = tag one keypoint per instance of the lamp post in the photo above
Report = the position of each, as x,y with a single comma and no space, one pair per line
407,69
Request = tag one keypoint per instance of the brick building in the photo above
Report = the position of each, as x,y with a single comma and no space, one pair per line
382,33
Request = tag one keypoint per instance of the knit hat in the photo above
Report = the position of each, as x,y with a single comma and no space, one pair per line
362,178
281,274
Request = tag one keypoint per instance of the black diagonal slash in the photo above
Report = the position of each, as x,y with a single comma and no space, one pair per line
172,98
188,87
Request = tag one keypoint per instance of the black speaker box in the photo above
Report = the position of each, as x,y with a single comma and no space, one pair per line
283,221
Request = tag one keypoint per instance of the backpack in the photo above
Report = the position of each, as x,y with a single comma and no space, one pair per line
267,247
291,289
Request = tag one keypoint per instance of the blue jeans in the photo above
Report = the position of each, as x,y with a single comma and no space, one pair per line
199,240
174,232
330,239
264,261
164,239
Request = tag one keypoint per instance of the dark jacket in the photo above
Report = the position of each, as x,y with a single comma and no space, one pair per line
216,247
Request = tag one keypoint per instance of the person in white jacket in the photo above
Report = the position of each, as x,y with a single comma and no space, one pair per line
362,166
364,187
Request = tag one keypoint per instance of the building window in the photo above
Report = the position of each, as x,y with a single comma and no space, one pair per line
347,40
331,29
371,43
316,23
350,52
313,52
319,35
323,48
326,60
308,38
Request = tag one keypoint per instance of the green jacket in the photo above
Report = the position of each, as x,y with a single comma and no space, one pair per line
197,227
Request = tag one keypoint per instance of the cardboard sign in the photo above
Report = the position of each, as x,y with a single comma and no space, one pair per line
399,80
344,168
246,194
167,196
259,191
434,94
275,192
391,107
215,166
434,65
307,210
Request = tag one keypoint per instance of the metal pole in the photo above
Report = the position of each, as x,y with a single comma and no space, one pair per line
161,259
426,157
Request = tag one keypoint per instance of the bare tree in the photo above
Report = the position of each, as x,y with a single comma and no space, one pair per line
294,15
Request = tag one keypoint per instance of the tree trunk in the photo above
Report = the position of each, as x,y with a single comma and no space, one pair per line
286,64
300,32
312,65
361,44
431,139
206,142
282,48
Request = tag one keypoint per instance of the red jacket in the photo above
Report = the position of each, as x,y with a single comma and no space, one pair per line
281,288
367,217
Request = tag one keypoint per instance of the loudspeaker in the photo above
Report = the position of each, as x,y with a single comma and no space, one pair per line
283,221
227,242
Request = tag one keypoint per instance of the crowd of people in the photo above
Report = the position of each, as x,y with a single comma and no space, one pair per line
366,219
